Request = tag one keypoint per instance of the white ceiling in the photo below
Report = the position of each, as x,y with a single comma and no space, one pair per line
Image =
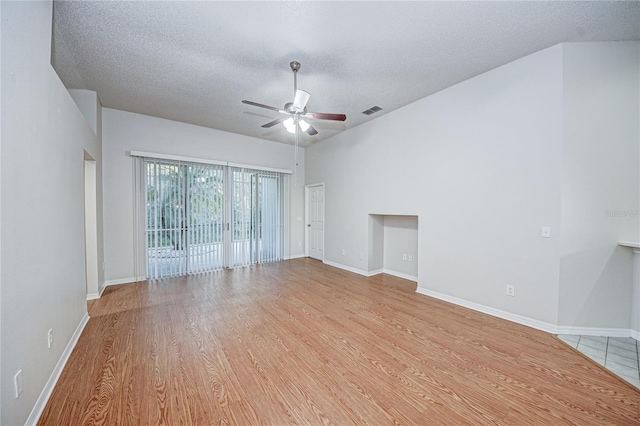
195,61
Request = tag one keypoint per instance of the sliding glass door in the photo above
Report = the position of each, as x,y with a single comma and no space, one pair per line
257,216
205,216
186,230
185,218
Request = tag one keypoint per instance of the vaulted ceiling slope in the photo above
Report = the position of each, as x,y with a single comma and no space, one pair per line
195,61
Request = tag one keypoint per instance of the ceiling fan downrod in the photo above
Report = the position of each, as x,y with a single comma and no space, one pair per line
295,66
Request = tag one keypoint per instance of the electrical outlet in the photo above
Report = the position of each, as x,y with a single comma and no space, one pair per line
545,232
50,338
511,291
344,252
17,383
299,243
404,256
361,256
410,258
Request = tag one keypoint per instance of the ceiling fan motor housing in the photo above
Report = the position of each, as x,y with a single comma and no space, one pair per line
290,109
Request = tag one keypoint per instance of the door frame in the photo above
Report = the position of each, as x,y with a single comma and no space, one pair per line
91,228
306,216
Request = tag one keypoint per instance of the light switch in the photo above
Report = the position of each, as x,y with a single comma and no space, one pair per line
546,232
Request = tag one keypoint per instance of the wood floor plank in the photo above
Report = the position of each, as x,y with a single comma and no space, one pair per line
300,342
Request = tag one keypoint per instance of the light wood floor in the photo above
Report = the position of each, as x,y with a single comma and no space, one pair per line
299,342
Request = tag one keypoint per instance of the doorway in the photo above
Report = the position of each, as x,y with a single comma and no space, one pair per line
314,238
90,227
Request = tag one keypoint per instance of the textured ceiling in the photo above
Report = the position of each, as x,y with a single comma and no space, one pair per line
195,61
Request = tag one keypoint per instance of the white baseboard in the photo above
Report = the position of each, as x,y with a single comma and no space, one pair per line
533,323
371,273
519,319
38,408
594,331
124,281
98,295
347,268
400,275
296,256
93,296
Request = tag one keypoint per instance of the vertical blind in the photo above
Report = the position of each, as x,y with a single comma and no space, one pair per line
257,216
184,218
203,217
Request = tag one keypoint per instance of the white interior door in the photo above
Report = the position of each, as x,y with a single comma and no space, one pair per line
315,221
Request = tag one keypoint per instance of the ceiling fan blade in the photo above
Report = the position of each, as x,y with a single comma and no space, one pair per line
273,123
325,116
263,106
312,131
300,100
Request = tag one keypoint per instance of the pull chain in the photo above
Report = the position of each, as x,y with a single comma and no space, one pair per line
296,149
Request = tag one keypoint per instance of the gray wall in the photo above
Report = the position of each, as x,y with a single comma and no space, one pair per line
44,137
600,174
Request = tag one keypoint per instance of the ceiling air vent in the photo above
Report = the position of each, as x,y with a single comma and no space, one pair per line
372,110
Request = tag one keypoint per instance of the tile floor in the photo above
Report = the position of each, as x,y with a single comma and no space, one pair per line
617,354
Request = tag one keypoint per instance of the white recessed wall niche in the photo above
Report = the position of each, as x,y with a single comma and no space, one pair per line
393,245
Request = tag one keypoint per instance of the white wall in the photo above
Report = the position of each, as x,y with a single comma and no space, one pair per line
551,139
376,244
44,137
1,230
479,163
124,131
600,174
635,324
400,238
91,108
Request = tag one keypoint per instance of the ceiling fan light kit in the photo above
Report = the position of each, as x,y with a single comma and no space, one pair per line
290,125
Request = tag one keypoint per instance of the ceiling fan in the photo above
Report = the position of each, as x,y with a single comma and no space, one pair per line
296,112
